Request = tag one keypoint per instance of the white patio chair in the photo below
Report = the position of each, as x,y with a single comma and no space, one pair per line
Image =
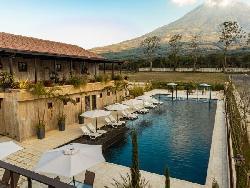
92,129
91,135
110,123
113,120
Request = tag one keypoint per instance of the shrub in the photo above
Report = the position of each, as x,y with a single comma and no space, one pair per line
118,77
136,91
48,83
23,84
7,80
77,81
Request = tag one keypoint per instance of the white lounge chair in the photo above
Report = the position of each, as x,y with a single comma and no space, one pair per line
92,129
142,110
112,124
91,135
149,105
129,115
113,120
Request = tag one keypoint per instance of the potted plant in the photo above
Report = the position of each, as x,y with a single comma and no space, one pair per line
80,118
40,130
61,122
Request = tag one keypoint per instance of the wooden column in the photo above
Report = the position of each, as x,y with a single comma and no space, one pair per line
71,67
35,70
95,69
120,66
55,66
104,68
11,64
113,75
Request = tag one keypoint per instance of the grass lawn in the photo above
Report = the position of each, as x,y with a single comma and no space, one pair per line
178,77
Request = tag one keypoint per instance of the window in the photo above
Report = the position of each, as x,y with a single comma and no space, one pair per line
78,100
100,95
50,105
22,67
108,93
58,67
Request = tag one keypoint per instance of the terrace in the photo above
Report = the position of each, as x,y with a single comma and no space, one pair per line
105,172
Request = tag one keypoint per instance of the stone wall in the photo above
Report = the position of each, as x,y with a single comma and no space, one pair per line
19,108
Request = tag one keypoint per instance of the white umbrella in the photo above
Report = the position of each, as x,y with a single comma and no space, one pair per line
172,84
133,102
7,148
204,85
95,114
70,160
117,107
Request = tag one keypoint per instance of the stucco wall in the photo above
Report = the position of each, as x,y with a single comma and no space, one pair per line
19,110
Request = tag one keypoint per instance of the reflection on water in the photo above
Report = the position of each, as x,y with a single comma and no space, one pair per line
177,134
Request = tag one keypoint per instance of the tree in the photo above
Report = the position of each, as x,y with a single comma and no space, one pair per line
175,45
167,180
150,46
132,180
230,32
135,171
194,46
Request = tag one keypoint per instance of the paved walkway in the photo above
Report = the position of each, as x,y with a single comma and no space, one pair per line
105,172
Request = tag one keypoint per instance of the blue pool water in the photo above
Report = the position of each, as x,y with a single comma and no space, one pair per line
177,134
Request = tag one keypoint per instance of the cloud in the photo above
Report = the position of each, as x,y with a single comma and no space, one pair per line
219,2
223,3
184,2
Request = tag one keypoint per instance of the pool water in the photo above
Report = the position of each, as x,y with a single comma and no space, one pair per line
177,134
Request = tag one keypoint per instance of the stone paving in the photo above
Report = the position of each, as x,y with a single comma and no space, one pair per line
105,172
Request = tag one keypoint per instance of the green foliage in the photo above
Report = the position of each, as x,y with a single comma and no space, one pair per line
38,89
40,124
231,32
77,81
150,46
102,78
215,184
24,84
61,118
175,47
7,80
136,91
239,137
125,182
118,77
167,179
134,180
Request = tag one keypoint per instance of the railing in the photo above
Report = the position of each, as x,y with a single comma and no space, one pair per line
50,182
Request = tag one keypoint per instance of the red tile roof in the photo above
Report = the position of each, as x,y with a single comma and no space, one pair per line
34,45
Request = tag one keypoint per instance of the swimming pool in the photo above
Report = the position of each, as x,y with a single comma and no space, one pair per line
177,134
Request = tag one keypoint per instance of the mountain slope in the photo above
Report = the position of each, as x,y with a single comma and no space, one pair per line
203,20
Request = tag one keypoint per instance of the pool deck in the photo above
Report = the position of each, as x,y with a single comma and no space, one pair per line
106,172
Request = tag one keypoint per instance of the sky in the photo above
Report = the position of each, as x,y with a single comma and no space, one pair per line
92,23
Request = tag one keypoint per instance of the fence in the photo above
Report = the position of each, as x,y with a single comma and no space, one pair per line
214,70
17,171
